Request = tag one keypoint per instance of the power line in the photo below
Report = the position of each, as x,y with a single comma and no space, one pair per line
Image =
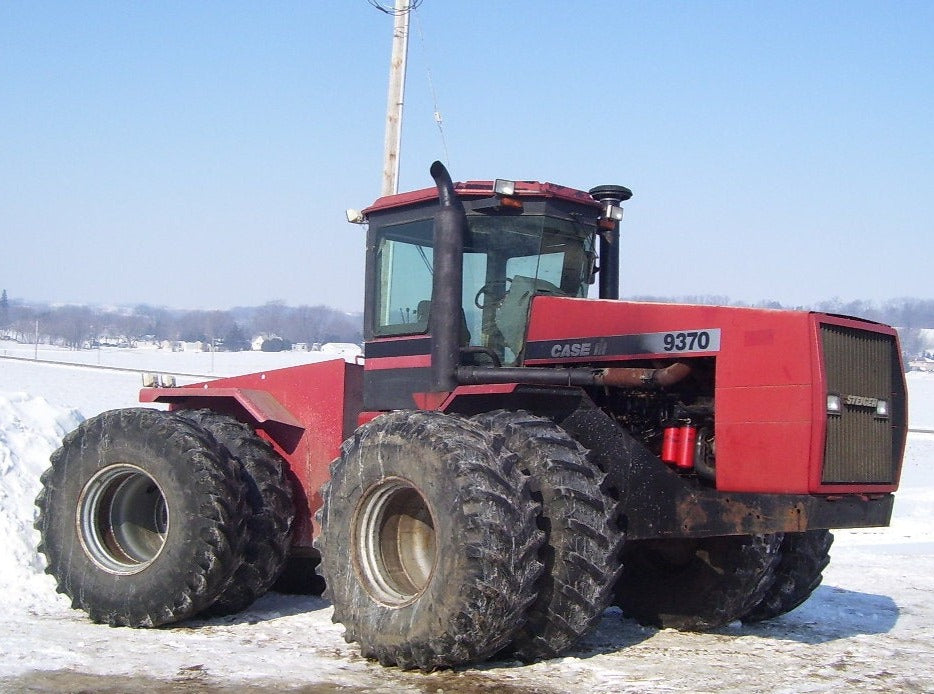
391,10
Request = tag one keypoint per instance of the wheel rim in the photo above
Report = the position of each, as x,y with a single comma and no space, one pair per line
394,542
123,519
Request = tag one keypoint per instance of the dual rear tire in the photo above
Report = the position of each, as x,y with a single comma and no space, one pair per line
148,517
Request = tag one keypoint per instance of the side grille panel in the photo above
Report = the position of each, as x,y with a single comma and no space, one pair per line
862,448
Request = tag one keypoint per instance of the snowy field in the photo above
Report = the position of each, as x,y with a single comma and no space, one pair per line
869,627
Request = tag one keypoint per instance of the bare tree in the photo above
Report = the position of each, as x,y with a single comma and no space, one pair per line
71,326
271,318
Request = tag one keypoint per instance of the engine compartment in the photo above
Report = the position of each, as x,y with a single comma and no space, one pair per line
676,423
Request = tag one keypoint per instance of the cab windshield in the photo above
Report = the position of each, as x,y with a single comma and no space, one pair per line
507,260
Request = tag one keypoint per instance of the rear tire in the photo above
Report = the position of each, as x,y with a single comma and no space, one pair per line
804,556
428,541
269,511
141,517
581,550
696,584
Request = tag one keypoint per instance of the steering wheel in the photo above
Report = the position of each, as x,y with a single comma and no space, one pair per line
491,289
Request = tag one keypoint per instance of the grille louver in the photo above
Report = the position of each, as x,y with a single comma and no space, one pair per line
862,448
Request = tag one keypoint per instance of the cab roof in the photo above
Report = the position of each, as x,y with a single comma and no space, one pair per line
480,189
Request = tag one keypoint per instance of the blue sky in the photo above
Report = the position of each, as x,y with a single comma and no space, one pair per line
201,155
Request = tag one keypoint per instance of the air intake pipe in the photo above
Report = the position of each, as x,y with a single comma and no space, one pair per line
609,240
450,226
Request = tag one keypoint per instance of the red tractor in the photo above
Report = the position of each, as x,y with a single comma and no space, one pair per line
511,458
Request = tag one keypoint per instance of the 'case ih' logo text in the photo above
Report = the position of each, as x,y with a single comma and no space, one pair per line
579,349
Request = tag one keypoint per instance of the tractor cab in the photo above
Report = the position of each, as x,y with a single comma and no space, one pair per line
521,239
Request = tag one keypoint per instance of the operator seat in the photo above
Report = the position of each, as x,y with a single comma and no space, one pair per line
421,319
512,316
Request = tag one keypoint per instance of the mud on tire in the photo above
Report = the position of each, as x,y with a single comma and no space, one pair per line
804,556
428,541
269,509
141,517
696,584
581,550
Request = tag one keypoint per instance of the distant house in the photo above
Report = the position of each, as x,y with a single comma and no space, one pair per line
181,346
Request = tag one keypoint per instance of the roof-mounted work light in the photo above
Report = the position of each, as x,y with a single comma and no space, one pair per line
503,187
505,191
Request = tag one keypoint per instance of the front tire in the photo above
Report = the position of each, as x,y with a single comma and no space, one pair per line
141,518
696,584
428,541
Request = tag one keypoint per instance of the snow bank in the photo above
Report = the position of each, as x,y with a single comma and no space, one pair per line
30,429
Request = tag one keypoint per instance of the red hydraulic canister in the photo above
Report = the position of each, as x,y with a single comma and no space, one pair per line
678,443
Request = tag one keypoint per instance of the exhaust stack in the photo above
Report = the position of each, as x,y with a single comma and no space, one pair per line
450,225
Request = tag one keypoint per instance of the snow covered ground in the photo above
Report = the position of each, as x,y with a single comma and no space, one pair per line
869,627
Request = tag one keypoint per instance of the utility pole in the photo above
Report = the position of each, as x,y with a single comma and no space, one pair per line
400,46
